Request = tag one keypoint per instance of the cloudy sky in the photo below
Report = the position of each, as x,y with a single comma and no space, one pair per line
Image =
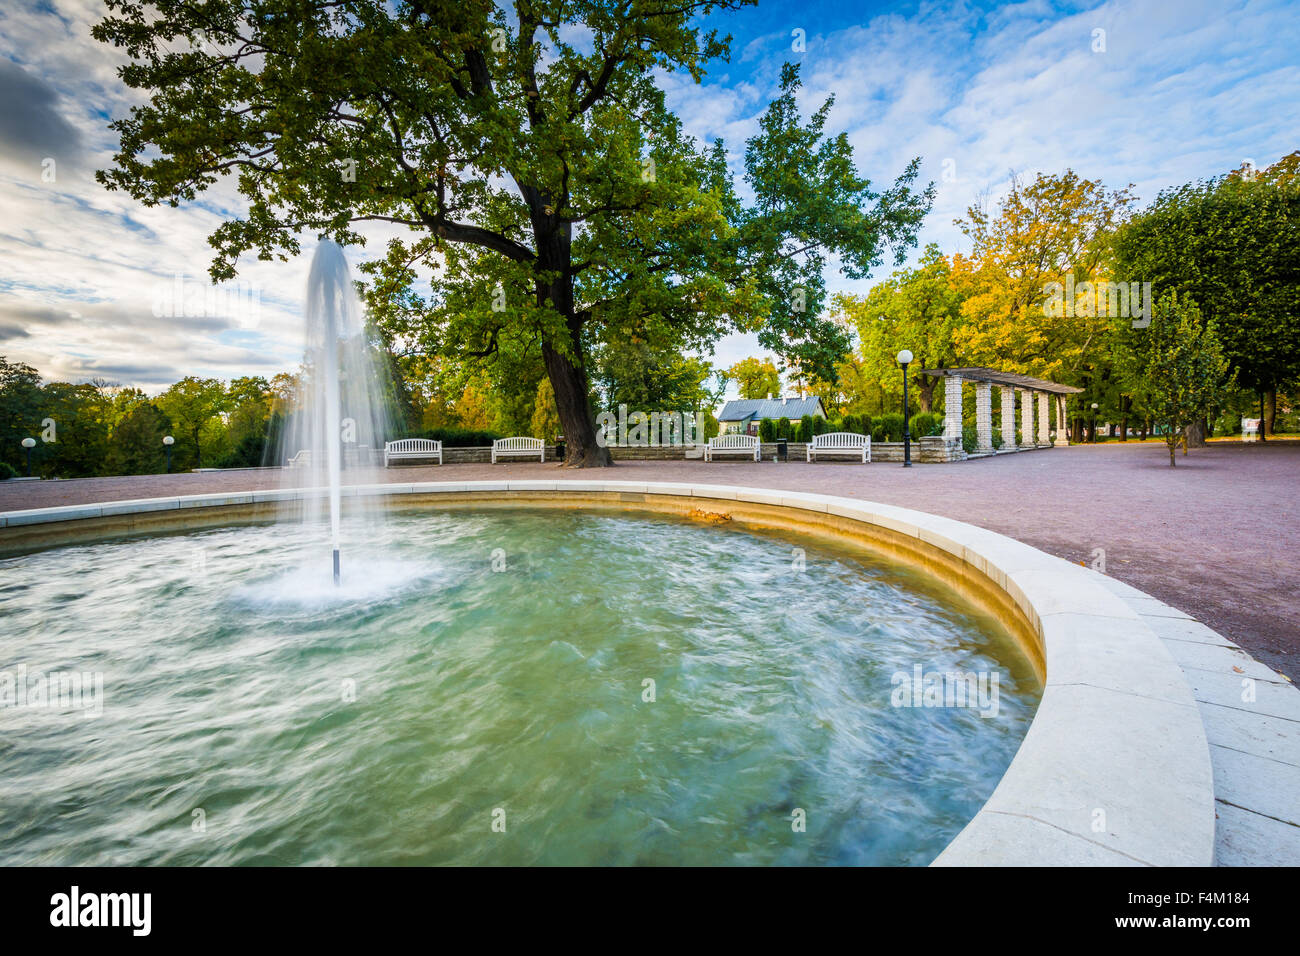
1130,91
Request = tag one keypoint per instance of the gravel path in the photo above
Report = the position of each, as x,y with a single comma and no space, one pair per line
1217,537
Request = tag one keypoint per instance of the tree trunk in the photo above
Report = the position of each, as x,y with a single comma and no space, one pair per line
1270,412
573,402
565,366
927,392
1172,443
1123,420
1194,434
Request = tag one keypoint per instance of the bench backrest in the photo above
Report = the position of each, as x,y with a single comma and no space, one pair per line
517,444
413,444
840,440
733,441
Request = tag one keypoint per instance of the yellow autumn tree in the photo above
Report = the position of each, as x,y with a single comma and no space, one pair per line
474,408
755,378
1054,229
546,417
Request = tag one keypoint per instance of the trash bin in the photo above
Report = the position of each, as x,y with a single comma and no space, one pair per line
559,448
782,449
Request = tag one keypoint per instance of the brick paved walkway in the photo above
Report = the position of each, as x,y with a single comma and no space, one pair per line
1216,537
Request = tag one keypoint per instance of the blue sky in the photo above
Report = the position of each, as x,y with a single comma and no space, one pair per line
1168,93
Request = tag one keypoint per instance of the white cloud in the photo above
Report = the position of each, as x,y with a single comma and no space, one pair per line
1182,92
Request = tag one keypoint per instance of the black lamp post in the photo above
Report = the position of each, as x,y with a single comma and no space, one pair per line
1094,423
905,359
29,444
168,441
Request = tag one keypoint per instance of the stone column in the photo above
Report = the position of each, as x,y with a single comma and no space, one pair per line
1044,426
1062,423
983,418
952,407
1026,419
1008,418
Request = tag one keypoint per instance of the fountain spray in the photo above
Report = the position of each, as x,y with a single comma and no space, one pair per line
338,415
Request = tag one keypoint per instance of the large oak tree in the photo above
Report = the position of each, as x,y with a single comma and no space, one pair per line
551,200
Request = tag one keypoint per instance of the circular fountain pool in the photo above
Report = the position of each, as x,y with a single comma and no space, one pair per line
496,687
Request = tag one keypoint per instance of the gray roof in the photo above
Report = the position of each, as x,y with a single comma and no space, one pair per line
745,409
1014,379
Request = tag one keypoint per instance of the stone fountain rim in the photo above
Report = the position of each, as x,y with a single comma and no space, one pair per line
1115,766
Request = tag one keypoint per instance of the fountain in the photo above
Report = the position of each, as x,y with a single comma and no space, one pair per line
339,416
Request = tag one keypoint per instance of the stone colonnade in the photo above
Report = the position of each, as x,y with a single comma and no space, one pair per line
1030,436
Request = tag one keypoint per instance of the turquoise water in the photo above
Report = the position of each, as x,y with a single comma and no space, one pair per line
487,671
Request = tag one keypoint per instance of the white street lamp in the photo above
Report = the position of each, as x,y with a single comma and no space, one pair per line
29,444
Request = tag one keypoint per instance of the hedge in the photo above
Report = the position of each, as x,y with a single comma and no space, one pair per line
805,428
925,424
458,437
888,427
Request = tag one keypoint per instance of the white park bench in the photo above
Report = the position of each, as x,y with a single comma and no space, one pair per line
405,448
518,447
746,445
1250,429
841,443
301,460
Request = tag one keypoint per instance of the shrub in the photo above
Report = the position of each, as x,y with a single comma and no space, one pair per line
891,427
783,428
820,426
767,430
924,424
247,454
806,428
458,437
7,471
969,438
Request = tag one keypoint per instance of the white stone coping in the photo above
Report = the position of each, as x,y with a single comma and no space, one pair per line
1115,767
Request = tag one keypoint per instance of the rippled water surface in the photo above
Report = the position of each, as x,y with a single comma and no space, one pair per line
484,668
